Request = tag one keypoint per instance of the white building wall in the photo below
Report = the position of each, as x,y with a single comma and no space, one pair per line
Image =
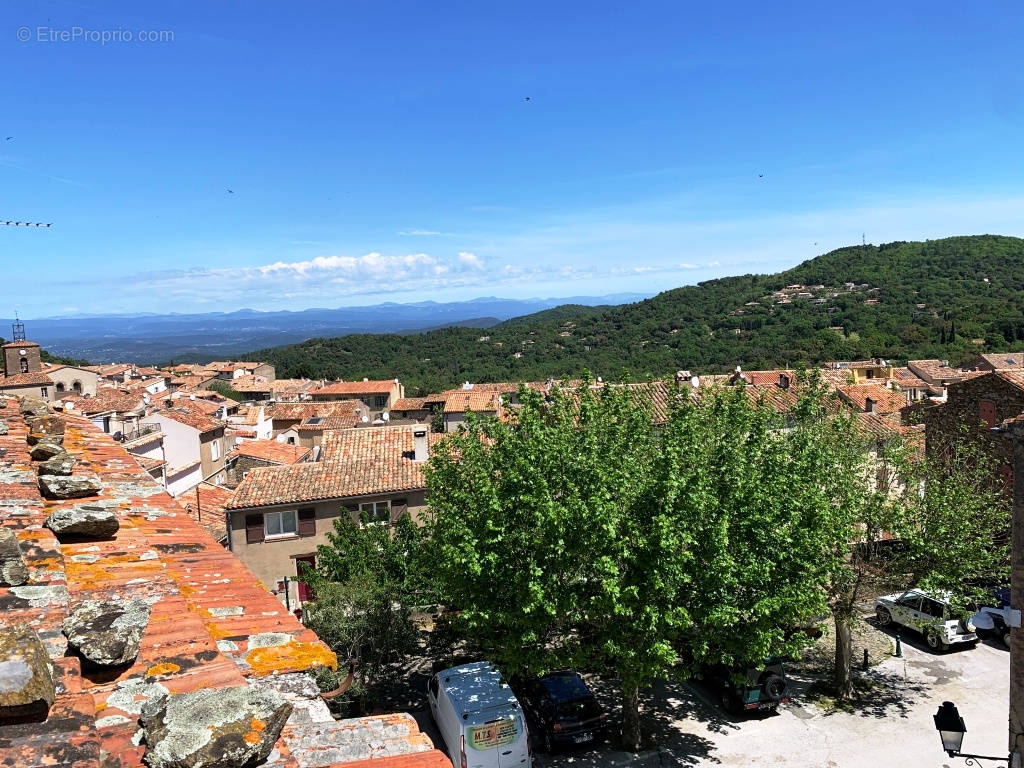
184,481
181,448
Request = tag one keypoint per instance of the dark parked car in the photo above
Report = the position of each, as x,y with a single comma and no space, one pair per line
561,712
754,689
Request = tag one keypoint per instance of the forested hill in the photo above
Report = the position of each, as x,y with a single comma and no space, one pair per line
947,299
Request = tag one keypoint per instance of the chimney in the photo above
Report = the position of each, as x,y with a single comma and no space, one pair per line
870,406
419,441
682,376
784,381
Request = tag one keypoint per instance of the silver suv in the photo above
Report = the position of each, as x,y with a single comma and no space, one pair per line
927,614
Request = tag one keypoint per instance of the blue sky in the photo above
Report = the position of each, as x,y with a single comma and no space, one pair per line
387,150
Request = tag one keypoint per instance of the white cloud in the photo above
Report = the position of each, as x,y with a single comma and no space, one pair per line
420,233
470,260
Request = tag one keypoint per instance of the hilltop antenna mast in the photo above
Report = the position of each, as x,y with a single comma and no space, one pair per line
863,241
18,328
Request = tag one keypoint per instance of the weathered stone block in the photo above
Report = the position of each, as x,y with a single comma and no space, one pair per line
26,679
13,572
43,428
45,450
64,487
33,406
61,464
107,634
93,521
214,728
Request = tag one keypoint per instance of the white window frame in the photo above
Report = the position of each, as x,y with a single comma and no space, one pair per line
373,510
281,515
215,449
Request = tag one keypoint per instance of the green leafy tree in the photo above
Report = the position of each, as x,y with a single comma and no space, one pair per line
896,521
223,388
575,533
543,542
367,581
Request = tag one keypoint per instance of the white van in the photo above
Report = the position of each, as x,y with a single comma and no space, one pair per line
479,717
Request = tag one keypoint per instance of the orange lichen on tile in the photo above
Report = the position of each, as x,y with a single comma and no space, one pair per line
206,605
290,657
165,668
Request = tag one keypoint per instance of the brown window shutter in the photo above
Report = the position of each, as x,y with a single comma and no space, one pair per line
307,522
253,529
353,510
398,508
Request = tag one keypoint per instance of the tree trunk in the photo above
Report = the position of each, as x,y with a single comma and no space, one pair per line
630,717
844,657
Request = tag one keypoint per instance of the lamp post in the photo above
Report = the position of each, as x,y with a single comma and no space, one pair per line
951,730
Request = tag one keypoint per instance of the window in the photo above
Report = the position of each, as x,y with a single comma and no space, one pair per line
77,386
24,365
44,392
60,386
215,449
375,512
284,523
291,440
380,401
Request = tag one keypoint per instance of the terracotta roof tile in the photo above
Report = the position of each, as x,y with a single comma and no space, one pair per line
302,411
212,623
110,400
272,450
1002,361
356,388
1014,377
468,400
885,399
353,462
252,384
25,380
19,344
409,404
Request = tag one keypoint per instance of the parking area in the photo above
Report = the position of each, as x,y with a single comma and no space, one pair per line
891,726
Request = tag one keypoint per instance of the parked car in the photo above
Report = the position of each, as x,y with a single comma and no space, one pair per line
479,717
928,614
749,689
992,621
561,711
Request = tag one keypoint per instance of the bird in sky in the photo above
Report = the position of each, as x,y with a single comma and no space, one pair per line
527,98
231,191
8,138
760,175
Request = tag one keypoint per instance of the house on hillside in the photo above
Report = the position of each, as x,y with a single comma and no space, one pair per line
278,516
378,396
937,374
458,404
252,454
974,407
71,380
997,361
195,446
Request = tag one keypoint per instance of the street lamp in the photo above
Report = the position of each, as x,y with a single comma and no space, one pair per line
951,730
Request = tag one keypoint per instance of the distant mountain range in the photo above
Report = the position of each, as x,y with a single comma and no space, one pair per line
149,338
948,299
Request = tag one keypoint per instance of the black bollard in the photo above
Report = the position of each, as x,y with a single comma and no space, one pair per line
865,665
899,647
